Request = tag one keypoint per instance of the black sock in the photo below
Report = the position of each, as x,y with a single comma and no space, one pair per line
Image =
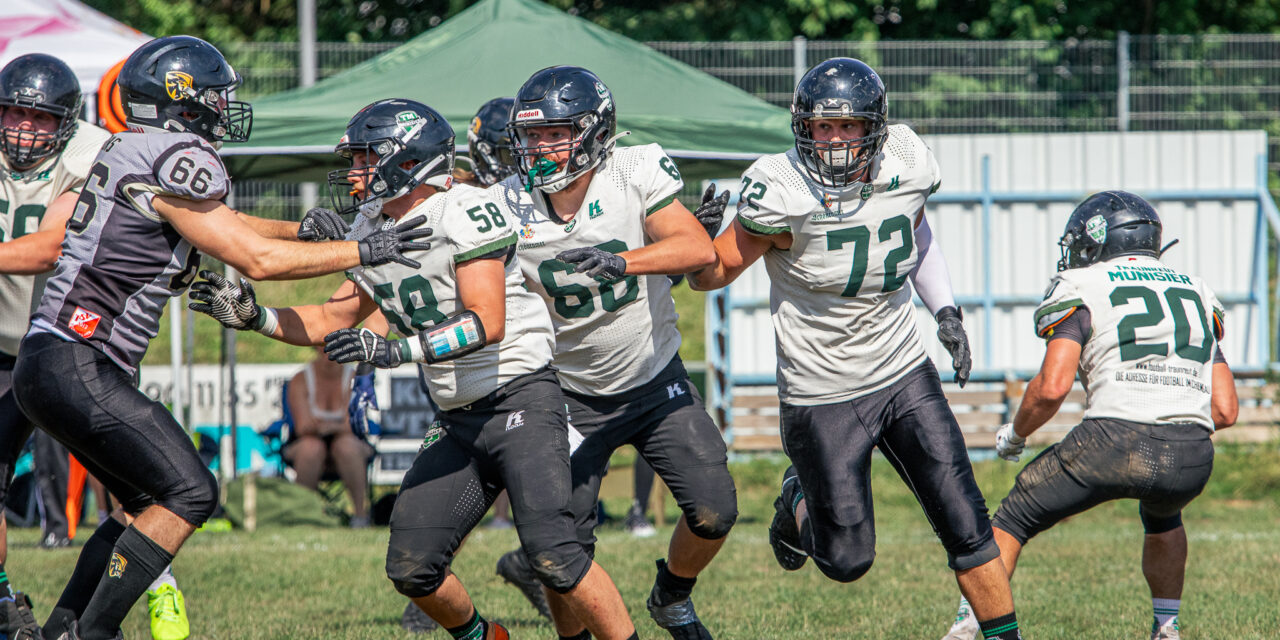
1003,628
634,636
585,635
134,564
669,587
472,629
86,576
5,590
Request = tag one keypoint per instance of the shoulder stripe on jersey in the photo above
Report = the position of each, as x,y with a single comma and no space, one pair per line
661,204
760,229
1048,330
496,245
1218,329
1067,305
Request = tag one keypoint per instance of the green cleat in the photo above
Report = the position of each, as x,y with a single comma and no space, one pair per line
168,612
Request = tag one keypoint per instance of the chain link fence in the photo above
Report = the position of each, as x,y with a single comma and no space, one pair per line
1135,83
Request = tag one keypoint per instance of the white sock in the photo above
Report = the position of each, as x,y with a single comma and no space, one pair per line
1165,610
965,611
165,577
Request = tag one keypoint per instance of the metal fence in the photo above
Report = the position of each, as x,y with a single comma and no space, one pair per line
1134,83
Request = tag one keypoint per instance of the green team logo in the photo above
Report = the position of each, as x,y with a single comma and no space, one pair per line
594,210
433,435
893,184
569,227
407,120
867,189
1096,227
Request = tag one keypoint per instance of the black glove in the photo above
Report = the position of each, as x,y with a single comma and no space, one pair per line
235,307
951,333
711,212
597,263
389,245
322,224
362,345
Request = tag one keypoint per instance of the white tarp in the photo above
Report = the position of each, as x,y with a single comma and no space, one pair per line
88,41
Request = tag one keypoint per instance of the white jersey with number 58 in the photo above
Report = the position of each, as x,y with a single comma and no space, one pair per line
610,338
466,225
1149,353
842,310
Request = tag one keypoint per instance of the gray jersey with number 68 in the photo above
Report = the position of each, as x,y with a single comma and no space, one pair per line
466,226
613,337
1149,353
841,304
121,262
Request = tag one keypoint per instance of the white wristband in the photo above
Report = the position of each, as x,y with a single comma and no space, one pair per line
414,343
268,320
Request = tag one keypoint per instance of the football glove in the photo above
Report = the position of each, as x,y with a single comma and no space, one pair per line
1009,445
711,212
235,307
363,408
597,263
322,224
389,245
951,334
362,345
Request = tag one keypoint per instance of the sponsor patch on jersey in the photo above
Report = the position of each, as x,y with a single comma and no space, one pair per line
84,322
177,84
526,232
529,114
1096,227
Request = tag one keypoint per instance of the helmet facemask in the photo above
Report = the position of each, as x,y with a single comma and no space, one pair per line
588,133
218,118
838,163
26,148
385,179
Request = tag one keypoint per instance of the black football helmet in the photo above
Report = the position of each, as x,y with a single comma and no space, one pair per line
1106,225
181,83
396,132
839,88
43,82
489,143
562,96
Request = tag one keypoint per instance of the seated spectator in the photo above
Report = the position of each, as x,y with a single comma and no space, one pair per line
322,438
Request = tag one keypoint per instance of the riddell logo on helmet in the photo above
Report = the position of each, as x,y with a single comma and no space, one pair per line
529,114
84,322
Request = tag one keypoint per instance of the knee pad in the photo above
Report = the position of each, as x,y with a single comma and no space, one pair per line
1153,525
846,565
414,573
194,501
560,569
711,521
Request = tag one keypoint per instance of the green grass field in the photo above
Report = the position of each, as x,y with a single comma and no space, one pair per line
1081,580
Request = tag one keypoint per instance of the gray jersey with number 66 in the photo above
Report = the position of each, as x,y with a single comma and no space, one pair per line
842,311
467,226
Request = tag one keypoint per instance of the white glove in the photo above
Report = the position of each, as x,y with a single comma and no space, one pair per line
1009,445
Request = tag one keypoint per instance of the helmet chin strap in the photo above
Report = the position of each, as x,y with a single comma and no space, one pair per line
1166,248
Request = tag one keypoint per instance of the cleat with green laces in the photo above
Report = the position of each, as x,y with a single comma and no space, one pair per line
168,614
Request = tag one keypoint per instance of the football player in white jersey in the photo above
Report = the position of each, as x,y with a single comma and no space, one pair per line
46,155
600,227
483,343
151,203
840,222
1144,338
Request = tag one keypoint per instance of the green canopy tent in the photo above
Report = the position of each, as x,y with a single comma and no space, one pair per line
488,51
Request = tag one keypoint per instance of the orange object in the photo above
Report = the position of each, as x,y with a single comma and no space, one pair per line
75,494
110,108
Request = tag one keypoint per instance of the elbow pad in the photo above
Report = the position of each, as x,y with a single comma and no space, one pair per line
451,339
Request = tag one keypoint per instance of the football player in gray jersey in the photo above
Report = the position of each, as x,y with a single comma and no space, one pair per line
599,230
1144,338
46,154
839,221
158,189
483,344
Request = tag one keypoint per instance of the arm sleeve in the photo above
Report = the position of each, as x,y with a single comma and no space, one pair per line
476,227
931,277
659,179
191,170
760,210
1061,300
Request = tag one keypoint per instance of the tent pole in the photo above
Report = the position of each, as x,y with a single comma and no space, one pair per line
306,42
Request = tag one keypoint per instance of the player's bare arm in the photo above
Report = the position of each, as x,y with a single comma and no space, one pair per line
217,230
482,289
38,252
1223,402
1049,388
274,229
735,249
680,244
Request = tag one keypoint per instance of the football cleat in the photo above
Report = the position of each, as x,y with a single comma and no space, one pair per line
1167,631
784,535
514,567
965,627
415,620
168,611
678,618
495,631
637,524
